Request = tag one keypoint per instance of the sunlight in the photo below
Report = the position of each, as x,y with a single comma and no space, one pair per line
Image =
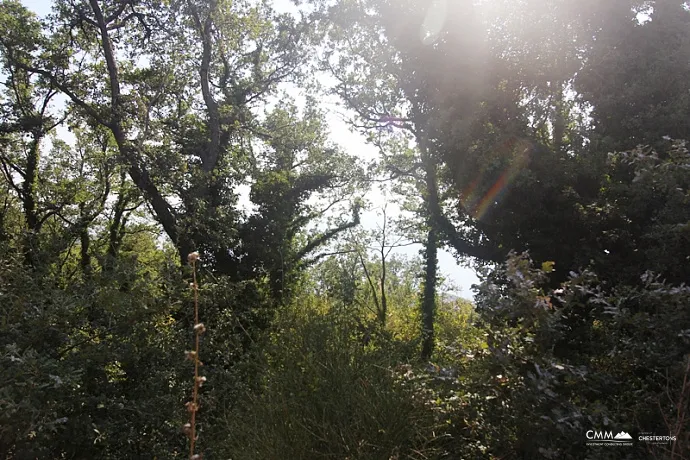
433,22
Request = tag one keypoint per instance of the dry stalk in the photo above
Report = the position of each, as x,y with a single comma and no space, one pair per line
199,329
681,413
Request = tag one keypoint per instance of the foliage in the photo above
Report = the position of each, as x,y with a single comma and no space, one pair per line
562,361
324,394
88,369
543,142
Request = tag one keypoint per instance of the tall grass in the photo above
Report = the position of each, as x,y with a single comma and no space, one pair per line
324,394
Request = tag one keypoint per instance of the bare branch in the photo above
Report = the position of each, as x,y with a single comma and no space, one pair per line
371,283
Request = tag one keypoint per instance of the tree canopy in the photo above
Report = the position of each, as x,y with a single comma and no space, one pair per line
170,183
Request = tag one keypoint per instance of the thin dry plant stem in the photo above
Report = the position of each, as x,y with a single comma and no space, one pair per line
193,406
195,394
682,407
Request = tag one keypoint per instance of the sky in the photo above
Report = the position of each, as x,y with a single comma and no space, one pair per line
460,278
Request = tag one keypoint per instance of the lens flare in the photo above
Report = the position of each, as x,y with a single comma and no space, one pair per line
477,206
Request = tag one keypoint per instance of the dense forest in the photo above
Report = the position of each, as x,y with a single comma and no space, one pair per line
185,269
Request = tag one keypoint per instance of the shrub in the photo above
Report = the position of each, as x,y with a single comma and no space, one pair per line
324,394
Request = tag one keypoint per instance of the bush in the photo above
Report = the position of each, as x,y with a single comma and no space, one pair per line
87,371
563,361
324,394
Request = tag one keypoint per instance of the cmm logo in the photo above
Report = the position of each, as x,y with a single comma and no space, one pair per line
599,435
607,438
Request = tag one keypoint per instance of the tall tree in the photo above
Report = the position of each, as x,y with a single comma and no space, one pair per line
183,84
27,118
376,53
298,177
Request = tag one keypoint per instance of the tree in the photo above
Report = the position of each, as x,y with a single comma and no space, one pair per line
378,245
294,166
375,79
629,112
176,148
26,116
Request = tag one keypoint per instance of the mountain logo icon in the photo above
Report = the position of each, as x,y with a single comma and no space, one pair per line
623,436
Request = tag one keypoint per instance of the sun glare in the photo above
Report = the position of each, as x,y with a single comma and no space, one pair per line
434,21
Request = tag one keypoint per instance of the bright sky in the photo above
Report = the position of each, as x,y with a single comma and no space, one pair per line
461,277
354,143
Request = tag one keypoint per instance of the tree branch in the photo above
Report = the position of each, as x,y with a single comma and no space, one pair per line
209,160
328,235
66,91
371,283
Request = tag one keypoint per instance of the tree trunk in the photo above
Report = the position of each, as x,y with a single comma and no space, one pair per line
162,210
85,257
383,313
559,121
116,229
29,200
433,209
428,303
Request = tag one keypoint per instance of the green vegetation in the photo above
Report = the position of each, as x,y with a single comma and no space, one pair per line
543,143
